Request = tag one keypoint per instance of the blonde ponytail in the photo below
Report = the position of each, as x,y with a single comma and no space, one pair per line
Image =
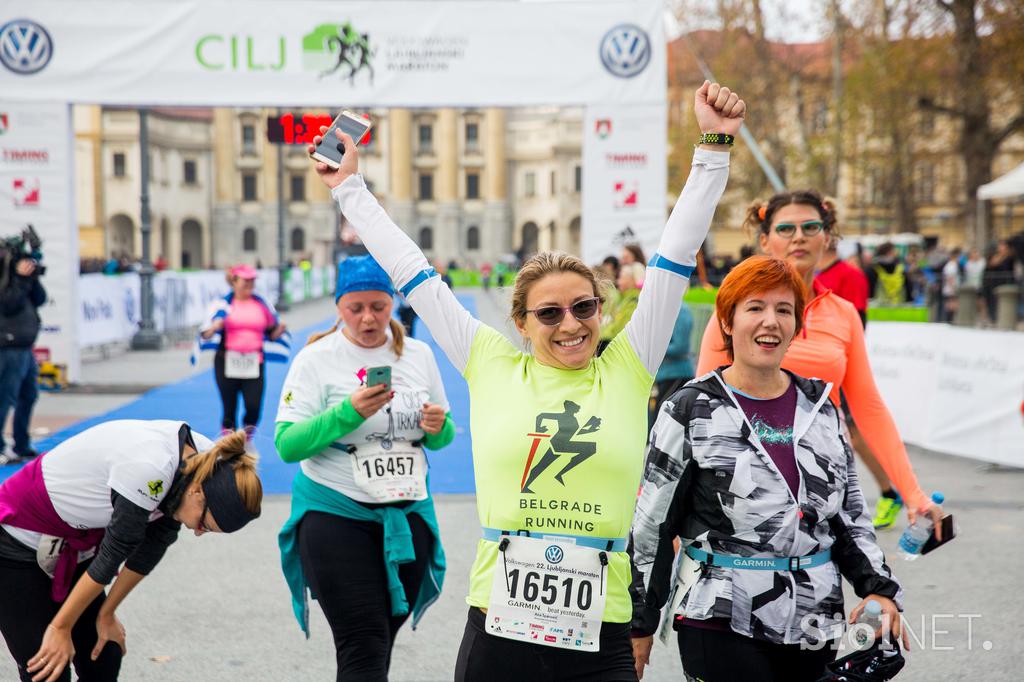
231,450
397,337
313,338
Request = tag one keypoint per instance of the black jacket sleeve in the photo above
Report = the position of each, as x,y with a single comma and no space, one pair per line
15,295
160,535
130,536
125,532
855,549
37,294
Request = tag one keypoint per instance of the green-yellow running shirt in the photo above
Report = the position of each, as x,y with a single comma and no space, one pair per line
593,420
556,451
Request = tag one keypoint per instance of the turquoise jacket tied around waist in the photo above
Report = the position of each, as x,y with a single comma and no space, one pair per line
309,496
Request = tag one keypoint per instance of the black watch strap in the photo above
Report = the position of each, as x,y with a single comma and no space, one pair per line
717,138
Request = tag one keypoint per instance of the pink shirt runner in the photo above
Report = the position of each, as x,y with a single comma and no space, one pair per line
245,325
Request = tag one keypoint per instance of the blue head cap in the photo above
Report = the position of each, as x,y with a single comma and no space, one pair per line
361,273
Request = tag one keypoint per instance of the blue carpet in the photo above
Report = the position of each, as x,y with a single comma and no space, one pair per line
195,400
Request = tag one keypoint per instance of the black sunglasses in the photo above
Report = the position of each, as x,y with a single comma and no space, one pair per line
551,315
809,228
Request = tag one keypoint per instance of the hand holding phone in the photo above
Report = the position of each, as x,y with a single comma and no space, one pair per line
378,376
948,533
330,150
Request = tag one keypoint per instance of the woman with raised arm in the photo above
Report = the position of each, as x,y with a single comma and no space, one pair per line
558,434
116,493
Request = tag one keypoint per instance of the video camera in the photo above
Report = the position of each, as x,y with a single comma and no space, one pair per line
17,248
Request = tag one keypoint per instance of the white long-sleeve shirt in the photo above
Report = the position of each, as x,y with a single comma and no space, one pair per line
650,328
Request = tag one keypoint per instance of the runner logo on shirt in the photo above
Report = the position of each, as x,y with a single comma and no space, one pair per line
561,443
288,398
155,488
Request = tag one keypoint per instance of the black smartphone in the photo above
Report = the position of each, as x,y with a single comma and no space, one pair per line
948,533
377,376
330,150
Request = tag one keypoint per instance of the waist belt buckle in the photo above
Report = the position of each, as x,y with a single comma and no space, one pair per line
794,563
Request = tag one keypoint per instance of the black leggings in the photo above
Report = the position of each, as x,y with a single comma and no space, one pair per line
251,390
713,656
26,608
484,657
343,561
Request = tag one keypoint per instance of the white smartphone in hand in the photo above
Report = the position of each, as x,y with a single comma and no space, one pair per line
330,150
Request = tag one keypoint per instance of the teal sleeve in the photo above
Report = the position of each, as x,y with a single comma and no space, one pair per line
297,441
443,437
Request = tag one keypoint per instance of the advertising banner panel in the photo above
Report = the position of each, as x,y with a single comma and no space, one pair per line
36,189
352,54
624,176
953,390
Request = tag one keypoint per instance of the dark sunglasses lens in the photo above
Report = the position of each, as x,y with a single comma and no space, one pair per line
584,310
550,315
785,229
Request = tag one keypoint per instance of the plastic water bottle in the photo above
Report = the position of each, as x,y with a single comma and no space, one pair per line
918,532
871,616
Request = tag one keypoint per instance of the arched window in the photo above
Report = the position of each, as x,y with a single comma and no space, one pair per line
249,239
426,238
298,239
473,238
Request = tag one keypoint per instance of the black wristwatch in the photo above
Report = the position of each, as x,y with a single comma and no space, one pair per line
717,138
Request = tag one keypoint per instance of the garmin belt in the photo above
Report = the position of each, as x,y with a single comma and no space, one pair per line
794,563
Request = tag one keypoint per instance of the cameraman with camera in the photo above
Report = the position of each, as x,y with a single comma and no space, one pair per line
21,294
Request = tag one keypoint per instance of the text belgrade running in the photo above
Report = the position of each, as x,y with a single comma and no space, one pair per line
560,505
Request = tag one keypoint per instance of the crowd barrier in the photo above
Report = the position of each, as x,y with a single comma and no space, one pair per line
110,305
954,390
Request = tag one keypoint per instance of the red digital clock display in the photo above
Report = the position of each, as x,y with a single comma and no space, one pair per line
301,128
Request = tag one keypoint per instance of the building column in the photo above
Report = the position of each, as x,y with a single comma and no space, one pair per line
174,245
401,206
496,231
447,228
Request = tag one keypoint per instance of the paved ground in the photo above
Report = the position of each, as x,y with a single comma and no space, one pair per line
217,608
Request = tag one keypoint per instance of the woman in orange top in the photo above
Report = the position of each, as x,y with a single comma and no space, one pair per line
796,226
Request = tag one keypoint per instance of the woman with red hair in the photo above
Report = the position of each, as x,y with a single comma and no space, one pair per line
796,226
749,468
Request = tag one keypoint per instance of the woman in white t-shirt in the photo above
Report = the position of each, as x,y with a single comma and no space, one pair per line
115,493
357,408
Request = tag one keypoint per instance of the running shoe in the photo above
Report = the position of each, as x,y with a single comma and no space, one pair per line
11,458
886,512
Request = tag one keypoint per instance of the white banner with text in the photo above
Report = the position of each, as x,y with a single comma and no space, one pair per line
953,390
36,190
351,54
624,178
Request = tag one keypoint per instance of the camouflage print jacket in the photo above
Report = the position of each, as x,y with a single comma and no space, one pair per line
709,481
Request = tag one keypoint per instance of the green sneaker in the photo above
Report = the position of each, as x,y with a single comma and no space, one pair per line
886,512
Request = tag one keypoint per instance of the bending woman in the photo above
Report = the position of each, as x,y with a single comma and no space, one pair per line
116,493
362,534
748,467
796,226
558,434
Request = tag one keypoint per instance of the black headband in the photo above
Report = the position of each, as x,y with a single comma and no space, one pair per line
224,501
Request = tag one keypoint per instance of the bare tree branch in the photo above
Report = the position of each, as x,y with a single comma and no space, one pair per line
1011,127
931,105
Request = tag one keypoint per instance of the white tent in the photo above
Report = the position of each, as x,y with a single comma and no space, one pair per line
1005,187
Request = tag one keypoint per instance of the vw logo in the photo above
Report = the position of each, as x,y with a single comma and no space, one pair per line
25,46
625,50
554,554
